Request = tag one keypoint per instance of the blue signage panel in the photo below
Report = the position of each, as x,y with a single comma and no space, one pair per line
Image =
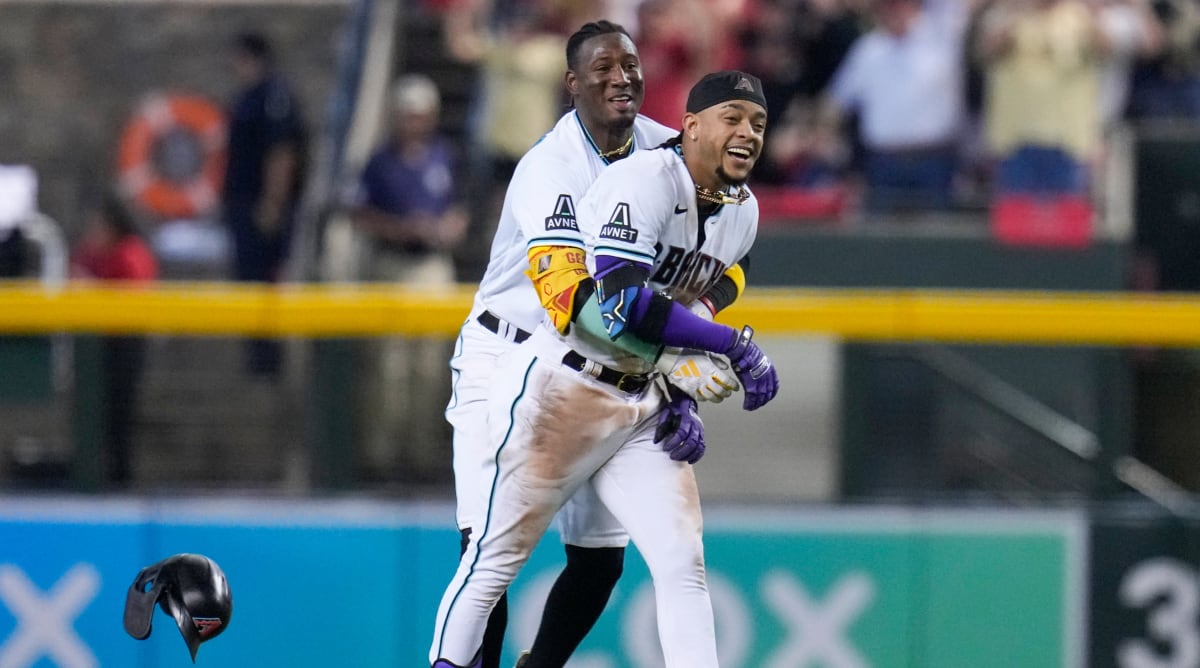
358,584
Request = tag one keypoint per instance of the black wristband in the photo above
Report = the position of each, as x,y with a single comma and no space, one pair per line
721,295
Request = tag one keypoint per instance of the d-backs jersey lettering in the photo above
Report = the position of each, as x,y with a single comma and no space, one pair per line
643,209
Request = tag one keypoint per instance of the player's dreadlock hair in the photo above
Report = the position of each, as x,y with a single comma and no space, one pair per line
588,31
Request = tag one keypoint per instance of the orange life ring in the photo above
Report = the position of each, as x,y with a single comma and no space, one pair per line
171,157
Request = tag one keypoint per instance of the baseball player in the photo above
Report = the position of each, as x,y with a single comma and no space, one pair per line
574,411
537,238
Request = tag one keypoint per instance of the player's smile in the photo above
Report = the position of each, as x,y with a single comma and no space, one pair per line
623,102
742,156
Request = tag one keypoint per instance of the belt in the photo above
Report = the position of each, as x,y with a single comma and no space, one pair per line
633,383
501,328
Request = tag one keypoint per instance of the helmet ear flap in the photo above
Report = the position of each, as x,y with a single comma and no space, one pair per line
140,600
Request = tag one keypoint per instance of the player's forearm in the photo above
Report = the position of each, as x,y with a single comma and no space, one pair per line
660,320
725,291
629,307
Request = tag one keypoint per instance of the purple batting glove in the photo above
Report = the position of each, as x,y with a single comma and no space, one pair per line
680,431
754,369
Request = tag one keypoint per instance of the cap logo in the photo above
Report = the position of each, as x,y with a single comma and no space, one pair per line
744,84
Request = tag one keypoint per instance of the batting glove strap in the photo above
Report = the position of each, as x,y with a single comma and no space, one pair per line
754,369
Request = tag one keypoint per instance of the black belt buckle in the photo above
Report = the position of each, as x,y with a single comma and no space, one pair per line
635,382
630,383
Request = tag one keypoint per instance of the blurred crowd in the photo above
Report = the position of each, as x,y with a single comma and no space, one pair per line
900,104
876,108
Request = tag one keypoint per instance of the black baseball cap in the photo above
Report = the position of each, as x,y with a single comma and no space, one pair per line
724,86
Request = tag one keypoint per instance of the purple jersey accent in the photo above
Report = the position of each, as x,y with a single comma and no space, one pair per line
606,264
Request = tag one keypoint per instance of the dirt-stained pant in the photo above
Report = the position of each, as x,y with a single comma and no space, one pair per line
554,430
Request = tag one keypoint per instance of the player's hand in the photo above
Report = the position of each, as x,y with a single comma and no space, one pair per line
754,369
680,432
703,376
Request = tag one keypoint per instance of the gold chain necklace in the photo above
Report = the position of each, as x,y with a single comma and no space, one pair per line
620,150
721,197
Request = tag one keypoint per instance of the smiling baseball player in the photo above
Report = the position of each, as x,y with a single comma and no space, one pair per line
574,411
537,271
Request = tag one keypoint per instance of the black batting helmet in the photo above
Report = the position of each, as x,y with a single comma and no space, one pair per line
189,587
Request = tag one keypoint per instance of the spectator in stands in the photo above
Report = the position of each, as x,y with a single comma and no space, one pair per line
18,200
409,209
264,177
113,250
1167,84
771,45
1042,105
409,204
904,79
794,47
12,252
830,28
806,153
674,40
1129,32
520,96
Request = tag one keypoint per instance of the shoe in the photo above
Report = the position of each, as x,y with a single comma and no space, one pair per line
522,660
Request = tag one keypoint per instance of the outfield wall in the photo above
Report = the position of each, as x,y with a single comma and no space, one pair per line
357,583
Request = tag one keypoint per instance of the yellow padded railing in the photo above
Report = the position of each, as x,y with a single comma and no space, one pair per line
333,310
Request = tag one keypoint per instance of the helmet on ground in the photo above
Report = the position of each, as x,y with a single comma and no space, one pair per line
189,587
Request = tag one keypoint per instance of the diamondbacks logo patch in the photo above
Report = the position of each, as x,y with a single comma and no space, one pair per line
744,84
563,217
618,227
207,626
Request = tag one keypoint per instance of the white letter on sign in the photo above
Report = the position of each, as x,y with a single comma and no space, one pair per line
818,631
46,626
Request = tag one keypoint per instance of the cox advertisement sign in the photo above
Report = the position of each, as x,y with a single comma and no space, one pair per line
357,584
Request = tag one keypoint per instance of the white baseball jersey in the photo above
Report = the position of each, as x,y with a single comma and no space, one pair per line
557,432
539,208
622,218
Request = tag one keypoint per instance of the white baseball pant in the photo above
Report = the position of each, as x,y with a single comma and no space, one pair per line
555,431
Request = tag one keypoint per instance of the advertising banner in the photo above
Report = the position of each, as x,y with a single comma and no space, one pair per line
1145,590
357,584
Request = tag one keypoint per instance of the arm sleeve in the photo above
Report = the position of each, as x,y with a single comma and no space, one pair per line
627,305
728,288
